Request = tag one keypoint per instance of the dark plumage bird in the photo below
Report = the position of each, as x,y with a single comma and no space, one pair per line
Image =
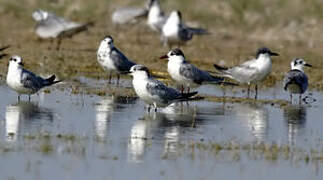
296,81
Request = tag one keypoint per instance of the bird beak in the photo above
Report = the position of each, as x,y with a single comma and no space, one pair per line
128,72
163,57
273,54
308,65
21,64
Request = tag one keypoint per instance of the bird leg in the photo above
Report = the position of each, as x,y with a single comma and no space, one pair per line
256,89
182,89
29,97
291,98
51,44
155,105
110,76
59,41
148,108
300,99
248,91
118,78
188,89
18,97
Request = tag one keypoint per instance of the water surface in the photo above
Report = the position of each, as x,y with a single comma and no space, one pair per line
62,135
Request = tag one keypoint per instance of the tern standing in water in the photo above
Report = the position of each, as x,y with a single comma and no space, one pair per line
251,72
154,92
24,81
113,60
296,81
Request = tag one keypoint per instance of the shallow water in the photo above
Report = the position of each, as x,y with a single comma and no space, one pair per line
62,135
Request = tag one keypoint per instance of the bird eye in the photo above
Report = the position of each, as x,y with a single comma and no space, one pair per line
172,54
15,60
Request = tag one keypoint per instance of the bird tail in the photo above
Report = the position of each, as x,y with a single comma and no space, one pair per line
51,80
69,33
220,68
228,83
84,27
198,31
223,70
186,96
220,81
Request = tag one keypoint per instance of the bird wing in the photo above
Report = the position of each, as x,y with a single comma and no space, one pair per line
296,77
65,23
126,15
190,71
157,88
245,72
184,34
121,62
31,81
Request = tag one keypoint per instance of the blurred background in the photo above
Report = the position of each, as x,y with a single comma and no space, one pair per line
238,28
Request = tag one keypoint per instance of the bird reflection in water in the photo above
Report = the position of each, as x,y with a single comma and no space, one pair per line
166,125
105,109
256,116
25,114
295,119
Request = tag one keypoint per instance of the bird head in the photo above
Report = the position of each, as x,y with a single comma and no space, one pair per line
139,70
16,61
266,52
175,16
299,64
39,15
174,55
107,42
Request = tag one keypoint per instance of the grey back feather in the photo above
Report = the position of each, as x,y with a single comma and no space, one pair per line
157,88
54,25
121,62
198,76
128,15
32,81
296,77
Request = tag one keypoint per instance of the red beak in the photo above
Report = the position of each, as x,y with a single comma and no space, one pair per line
163,57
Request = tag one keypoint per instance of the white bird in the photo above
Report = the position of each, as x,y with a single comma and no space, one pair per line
175,31
251,72
111,59
24,81
156,17
296,81
187,74
2,49
154,92
50,26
